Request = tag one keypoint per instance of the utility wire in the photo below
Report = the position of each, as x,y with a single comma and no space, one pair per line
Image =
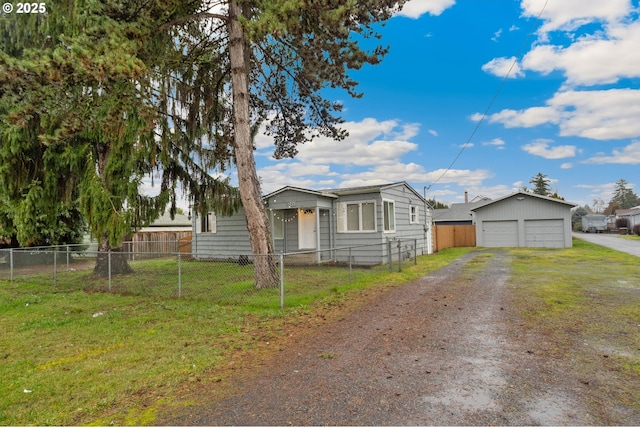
493,100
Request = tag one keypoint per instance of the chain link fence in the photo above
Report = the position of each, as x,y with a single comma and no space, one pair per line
298,278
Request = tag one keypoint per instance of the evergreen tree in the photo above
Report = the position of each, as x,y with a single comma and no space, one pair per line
93,99
623,196
540,184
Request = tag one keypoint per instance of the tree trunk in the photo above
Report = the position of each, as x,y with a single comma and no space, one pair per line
110,260
257,224
117,259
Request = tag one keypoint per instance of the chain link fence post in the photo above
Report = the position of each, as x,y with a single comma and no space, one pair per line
350,268
281,280
415,251
179,275
109,267
11,264
399,256
55,266
389,256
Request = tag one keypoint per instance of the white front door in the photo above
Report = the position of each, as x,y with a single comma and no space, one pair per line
306,229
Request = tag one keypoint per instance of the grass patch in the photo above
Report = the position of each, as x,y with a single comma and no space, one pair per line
75,353
585,303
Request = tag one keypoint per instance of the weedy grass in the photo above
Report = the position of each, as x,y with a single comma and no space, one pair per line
585,301
90,351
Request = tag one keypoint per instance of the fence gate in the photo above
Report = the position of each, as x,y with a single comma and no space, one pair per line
454,236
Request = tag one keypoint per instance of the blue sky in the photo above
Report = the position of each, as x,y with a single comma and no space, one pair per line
568,108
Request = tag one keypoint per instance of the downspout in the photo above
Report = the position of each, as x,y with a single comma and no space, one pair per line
317,235
332,229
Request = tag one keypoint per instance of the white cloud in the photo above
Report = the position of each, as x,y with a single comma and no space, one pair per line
503,67
598,114
566,166
416,8
433,132
542,149
568,15
629,155
496,35
363,146
602,58
598,191
496,142
461,177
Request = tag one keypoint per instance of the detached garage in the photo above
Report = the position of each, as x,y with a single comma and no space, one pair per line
524,220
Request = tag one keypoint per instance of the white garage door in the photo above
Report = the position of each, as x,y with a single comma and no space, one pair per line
544,233
497,234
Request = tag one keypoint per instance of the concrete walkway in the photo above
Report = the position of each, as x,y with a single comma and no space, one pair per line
613,241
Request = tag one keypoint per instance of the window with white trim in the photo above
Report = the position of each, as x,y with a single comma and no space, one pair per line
354,217
207,223
389,215
278,224
414,215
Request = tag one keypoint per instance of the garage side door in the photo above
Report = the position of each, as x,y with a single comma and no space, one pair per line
544,233
497,234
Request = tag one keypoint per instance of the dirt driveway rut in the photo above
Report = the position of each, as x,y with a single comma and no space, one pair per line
442,350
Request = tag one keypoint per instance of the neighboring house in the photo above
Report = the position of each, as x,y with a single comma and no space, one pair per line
458,213
524,219
632,215
162,236
304,220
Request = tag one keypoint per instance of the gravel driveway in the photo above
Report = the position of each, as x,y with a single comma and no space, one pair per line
613,241
445,349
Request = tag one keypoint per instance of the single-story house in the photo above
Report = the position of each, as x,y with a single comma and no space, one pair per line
320,221
632,215
524,219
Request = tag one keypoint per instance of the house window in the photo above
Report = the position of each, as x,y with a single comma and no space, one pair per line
414,217
208,223
356,217
278,224
389,215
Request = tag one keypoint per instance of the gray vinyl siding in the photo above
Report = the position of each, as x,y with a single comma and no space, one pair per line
231,238
404,197
370,242
410,234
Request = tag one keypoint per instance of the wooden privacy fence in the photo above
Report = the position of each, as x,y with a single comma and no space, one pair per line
454,236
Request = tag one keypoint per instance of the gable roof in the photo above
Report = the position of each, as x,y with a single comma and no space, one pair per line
627,212
337,192
325,193
456,212
521,193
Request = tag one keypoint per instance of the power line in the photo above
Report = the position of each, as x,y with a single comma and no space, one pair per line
493,100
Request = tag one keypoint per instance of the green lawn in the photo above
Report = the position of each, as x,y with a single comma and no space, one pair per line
75,353
585,301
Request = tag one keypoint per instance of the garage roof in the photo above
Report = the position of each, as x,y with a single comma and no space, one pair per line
522,193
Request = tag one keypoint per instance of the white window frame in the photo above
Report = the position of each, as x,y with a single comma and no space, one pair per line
342,216
414,214
278,224
392,224
207,224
